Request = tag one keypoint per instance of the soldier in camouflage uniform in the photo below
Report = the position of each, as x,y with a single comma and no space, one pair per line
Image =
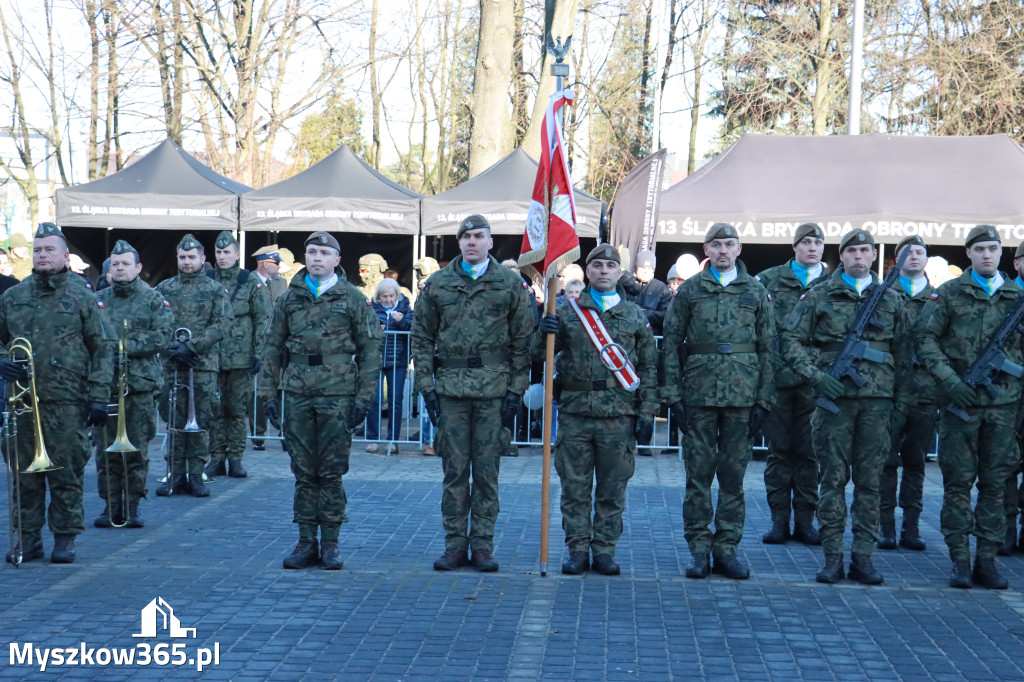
71,353
371,272
599,422
141,316
720,395
791,473
200,305
471,350
857,438
20,257
323,349
913,431
1013,496
240,351
956,327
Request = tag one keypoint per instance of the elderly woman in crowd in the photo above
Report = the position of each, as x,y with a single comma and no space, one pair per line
394,312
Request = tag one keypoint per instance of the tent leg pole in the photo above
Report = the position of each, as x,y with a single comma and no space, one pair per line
241,248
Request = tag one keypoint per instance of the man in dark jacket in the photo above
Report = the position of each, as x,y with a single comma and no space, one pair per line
651,294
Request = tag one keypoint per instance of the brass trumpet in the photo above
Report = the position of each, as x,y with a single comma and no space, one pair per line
121,442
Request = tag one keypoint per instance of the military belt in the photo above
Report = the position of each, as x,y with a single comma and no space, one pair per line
835,347
599,385
476,361
720,348
316,359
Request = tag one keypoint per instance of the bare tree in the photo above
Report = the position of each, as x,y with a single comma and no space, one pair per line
491,137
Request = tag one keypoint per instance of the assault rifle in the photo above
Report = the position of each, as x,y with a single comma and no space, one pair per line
854,347
992,359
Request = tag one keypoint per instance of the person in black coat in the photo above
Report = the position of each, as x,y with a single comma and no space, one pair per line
394,312
651,294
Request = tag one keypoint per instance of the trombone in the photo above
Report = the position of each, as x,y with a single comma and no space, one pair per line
181,335
121,443
21,399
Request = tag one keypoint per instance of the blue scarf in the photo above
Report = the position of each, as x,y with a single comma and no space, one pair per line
990,285
913,286
604,301
318,288
723,278
475,271
804,274
858,285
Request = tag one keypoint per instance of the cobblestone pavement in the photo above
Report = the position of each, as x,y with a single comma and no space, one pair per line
387,615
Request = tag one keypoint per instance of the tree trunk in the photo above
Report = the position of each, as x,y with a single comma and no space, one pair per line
374,90
491,137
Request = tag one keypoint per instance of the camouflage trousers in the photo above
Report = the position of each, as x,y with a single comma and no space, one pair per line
587,448
227,432
190,450
791,473
140,427
318,440
913,436
1013,496
854,442
983,451
715,446
64,437
470,440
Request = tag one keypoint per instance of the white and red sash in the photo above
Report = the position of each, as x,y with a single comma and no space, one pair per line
613,356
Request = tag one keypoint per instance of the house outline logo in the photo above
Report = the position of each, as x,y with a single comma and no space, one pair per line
170,621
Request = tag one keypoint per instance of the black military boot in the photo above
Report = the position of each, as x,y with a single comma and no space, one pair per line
605,564
863,571
909,536
135,519
63,549
306,553
832,572
176,484
451,559
215,468
731,567
778,534
887,532
31,547
1010,541
577,563
330,557
1020,541
258,445
960,576
196,484
700,567
103,520
235,469
483,561
805,533
987,575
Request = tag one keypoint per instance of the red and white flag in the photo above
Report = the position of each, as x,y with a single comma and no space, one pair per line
550,242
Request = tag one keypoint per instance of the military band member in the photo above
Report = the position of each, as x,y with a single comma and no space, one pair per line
913,431
599,421
200,305
791,473
71,353
982,451
856,440
149,324
322,349
240,351
719,395
471,350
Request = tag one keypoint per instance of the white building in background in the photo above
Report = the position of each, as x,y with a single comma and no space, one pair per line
14,208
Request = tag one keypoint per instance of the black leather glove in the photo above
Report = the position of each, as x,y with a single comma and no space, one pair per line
758,415
357,414
549,324
629,284
96,414
643,431
678,411
509,409
184,356
829,386
432,406
270,411
13,371
962,395
255,365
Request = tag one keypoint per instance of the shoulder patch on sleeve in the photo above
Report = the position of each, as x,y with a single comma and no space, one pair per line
757,277
99,303
166,304
803,296
935,295
369,303
768,295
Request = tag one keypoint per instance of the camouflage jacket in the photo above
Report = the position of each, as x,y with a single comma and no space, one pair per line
706,316
923,387
250,303
21,267
812,333
201,305
72,347
322,346
577,360
785,290
487,322
957,324
150,325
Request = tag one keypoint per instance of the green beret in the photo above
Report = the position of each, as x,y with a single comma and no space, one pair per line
604,252
17,239
856,238
122,247
473,222
188,242
982,233
323,239
907,241
226,239
49,230
721,231
808,230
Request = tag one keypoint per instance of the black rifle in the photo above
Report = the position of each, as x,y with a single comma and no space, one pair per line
854,347
993,360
